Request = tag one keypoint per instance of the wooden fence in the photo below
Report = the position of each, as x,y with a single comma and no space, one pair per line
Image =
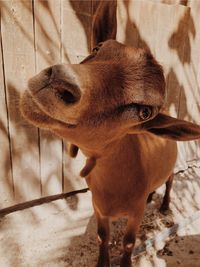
35,34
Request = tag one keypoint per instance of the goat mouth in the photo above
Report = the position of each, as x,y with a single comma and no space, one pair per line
55,98
66,91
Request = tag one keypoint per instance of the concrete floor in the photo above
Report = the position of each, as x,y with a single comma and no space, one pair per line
63,233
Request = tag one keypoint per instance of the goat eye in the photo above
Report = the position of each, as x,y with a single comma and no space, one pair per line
95,49
145,113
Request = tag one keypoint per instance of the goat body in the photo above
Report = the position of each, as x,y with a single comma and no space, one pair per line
110,107
122,180
130,146
132,168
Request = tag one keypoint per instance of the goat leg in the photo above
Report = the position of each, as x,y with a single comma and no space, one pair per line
149,199
134,222
73,150
90,164
166,200
103,238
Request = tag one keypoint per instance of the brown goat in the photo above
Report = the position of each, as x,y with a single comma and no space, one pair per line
110,107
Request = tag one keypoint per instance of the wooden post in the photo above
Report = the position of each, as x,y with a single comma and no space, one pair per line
76,45
47,21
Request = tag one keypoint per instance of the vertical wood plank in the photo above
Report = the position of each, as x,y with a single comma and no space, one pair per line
19,63
189,108
191,61
47,18
168,31
151,30
76,40
168,20
172,2
76,29
6,182
148,26
60,32
128,21
177,82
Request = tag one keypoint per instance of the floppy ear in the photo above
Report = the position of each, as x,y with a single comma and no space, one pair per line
104,22
171,128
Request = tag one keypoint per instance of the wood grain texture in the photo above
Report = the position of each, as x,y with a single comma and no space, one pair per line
36,34
78,17
189,107
19,64
6,181
76,45
47,21
171,32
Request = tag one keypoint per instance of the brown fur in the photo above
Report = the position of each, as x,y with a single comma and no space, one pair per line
108,106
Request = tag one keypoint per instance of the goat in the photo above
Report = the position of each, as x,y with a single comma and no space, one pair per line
110,106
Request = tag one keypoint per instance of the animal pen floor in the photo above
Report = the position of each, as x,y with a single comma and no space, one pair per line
63,233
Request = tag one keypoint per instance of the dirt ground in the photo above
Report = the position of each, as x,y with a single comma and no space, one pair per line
63,233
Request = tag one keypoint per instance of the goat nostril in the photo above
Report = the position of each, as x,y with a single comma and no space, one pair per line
68,93
67,97
63,83
49,72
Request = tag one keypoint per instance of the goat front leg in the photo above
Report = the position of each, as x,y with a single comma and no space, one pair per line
149,199
103,238
130,236
89,166
73,150
166,200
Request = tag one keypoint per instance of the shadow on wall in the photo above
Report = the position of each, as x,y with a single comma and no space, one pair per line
26,141
180,36
185,28
50,44
20,129
175,88
132,32
83,11
177,56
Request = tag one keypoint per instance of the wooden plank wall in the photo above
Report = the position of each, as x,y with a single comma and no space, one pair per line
19,64
37,33
171,30
47,30
6,182
34,35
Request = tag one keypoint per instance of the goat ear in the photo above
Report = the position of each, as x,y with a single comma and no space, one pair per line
104,22
172,128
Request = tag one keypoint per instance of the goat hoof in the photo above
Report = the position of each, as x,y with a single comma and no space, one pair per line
149,199
126,262
164,209
103,263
